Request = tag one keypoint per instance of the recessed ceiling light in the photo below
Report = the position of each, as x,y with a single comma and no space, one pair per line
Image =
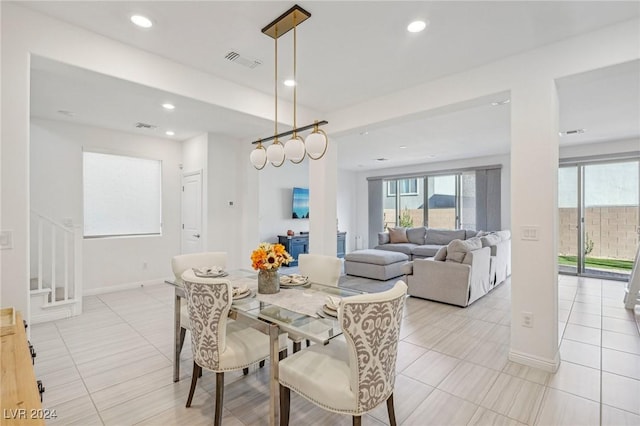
402,147
141,21
168,106
506,101
290,83
417,26
169,133
67,113
364,133
382,159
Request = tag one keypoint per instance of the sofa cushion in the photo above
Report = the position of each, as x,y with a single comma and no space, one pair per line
383,238
407,268
377,257
400,247
441,255
458,249
444,236
416,235
427,250
504,235
490,240
470,233
398,235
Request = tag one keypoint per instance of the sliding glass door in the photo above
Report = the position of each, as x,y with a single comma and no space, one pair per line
404,202
599,218
442,194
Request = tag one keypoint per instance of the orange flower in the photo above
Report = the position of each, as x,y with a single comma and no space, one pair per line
269,256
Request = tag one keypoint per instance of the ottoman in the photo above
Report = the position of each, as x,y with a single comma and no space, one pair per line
376,264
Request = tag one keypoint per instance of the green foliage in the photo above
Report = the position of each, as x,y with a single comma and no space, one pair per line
406,221
588,245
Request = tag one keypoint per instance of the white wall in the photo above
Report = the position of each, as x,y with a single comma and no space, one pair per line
347,202
275,199
56,191
601,148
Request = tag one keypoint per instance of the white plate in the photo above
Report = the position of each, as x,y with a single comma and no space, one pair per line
327,310
243,295
210,274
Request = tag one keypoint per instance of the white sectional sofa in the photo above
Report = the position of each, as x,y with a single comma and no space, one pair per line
462,271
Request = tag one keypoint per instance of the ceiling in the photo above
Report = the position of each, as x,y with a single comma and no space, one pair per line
348,53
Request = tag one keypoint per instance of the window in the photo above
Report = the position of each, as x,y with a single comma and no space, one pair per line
122,195
407,187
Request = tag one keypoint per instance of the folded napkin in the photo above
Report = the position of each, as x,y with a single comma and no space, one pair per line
240,290
333,302
208,270
293,279
285,279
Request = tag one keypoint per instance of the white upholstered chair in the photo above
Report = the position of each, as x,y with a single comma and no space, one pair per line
181,263
219,344
354,375
320,269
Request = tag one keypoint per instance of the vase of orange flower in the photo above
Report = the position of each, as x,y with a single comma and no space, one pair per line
267,259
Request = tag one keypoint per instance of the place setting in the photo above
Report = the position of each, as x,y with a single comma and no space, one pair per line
241,292
210,272
330,308
293,280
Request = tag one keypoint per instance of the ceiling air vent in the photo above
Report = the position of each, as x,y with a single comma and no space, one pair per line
239,59
145,126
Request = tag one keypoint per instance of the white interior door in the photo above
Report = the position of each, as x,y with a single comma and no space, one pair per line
192,212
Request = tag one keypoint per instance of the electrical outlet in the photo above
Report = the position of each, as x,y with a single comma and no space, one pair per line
527,319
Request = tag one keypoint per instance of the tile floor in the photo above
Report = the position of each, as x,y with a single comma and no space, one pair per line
112,366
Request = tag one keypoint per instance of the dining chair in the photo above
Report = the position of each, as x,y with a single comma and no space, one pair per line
181,263
320,269
355,374
219,344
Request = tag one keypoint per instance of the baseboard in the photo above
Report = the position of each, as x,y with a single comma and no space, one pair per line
120,287
550,365
51,315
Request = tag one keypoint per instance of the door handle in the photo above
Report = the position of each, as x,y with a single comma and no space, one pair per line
196,235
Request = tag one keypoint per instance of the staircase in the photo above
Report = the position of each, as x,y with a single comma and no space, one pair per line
56,269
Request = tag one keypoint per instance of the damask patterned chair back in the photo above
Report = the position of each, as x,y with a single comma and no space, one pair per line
182,262
371,326
208,304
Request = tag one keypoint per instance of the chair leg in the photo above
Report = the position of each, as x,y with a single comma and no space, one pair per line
261,363
183,333
357,421
282,355
285,398
308,342
391,411
296,346
219,397
194,379
245,371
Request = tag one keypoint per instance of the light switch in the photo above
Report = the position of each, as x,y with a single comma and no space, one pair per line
6,240
530,233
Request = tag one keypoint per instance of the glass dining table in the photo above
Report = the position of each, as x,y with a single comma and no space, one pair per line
296,310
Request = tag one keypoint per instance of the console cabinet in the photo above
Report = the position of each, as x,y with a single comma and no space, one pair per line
299,244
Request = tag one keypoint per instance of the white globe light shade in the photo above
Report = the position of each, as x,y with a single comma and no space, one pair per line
258,157
316,143
275,154
294,149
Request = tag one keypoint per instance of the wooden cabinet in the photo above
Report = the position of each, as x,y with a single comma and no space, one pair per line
20,395
299,244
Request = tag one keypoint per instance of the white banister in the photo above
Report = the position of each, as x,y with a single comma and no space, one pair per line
61,256
40,243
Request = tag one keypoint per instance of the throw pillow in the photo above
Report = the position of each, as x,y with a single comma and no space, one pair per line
398,235
490,240
383,238
458,249
441,254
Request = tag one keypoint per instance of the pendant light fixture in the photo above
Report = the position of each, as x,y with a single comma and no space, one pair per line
295,148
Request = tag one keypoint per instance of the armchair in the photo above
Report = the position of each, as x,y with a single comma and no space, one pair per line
451,281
